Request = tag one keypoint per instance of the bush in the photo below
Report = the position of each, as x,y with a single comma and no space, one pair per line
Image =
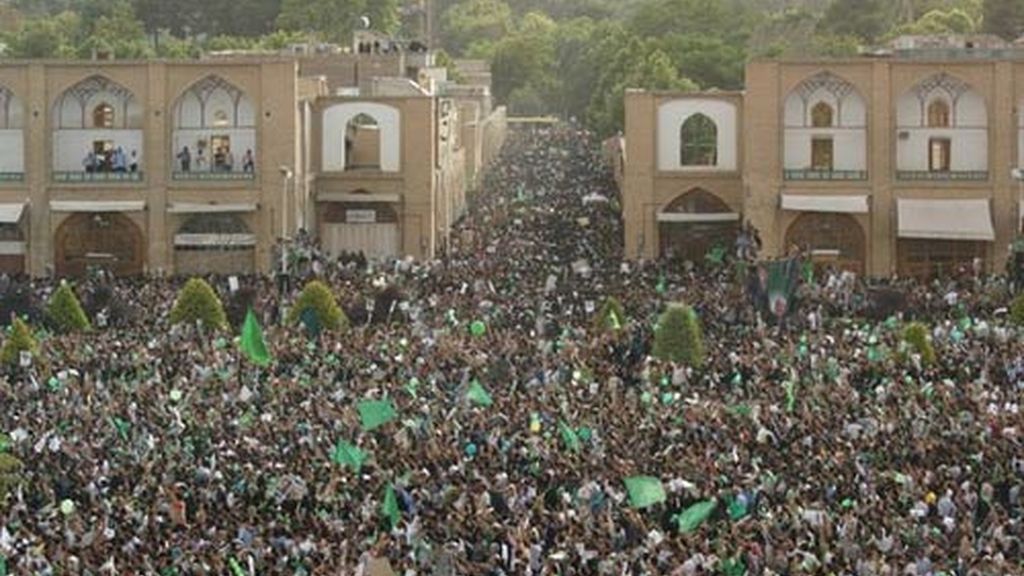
318,297
21,339
198,301
679,337
1017,310
916,337
10,474
610,308
65,312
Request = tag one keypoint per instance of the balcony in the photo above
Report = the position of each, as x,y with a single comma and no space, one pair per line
12,177
943,176
824,175
77,177
212,176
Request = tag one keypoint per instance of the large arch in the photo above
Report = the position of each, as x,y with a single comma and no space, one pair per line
825,129
214,130
942,123
830,239
694,224
12,139
98,133
673,114
111,241
335,122
364,223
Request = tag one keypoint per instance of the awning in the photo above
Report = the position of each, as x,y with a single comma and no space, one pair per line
215,240
12,248
209,208
11,213
945,219
834,204
347,197
686,217
96,206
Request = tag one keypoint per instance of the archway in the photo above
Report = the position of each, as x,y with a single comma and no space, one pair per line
694,225
831,240
109,241
361,223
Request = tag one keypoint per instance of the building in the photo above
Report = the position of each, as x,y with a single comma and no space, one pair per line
191,167
144,166
900,164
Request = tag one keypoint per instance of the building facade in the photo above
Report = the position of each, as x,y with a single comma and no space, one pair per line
192,167
882,166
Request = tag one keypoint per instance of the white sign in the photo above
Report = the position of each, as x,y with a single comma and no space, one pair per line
233,284
25,358
361,216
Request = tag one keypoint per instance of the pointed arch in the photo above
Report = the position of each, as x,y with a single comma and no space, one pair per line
213,101
698,141
75,105
848,106
11,114
822,115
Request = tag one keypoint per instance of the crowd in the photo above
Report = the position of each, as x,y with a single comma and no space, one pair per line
828,447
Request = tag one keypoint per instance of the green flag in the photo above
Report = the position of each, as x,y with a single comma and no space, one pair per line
688,520
740,410
252,344
478,395
737,508
715,256
662,286
790,395
389,508
569,437
613,320
122,427
733,567
375,413
345,454
644,491
236,568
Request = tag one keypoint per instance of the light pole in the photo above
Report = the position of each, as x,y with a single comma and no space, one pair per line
286,176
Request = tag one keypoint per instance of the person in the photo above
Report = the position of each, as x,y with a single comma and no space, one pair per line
185,158
248,162
133,165
89,162
200,158
119,161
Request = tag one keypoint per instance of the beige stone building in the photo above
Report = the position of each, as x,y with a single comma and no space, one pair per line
202,166
904,164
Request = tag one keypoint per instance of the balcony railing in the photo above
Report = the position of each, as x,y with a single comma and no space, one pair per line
213,176
947,176
80,176
819,175
12,176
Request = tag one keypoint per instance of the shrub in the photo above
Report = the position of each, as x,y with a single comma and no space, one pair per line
317,297
679,337
1017,310
916,337
21,339
610,316
10,474
65,312
198,301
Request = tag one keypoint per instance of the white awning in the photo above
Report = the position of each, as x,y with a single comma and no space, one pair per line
96,206
12,248
11,213
199,208
685,217
945,219
215,240
346,197
834,204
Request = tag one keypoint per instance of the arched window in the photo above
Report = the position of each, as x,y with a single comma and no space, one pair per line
699,141
938,114
821,115
362,143
103,116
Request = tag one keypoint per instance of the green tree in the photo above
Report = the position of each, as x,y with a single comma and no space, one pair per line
1017,310
196,302
954,21
336,19
119,33
20,340
45,37
10,475
525,59
1004,18
916,337
679,337
868,20
65,312
475,21
319,299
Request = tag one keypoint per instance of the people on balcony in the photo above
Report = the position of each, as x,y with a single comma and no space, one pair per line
248,163
185,157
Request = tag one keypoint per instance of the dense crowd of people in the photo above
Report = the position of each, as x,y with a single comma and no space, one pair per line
828,447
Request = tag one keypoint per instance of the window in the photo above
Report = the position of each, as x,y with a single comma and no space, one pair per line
938,114
939,154
699,141
821,115
103,116
821,154
223,160
362,143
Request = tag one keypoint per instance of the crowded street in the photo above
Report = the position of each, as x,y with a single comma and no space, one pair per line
825,445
